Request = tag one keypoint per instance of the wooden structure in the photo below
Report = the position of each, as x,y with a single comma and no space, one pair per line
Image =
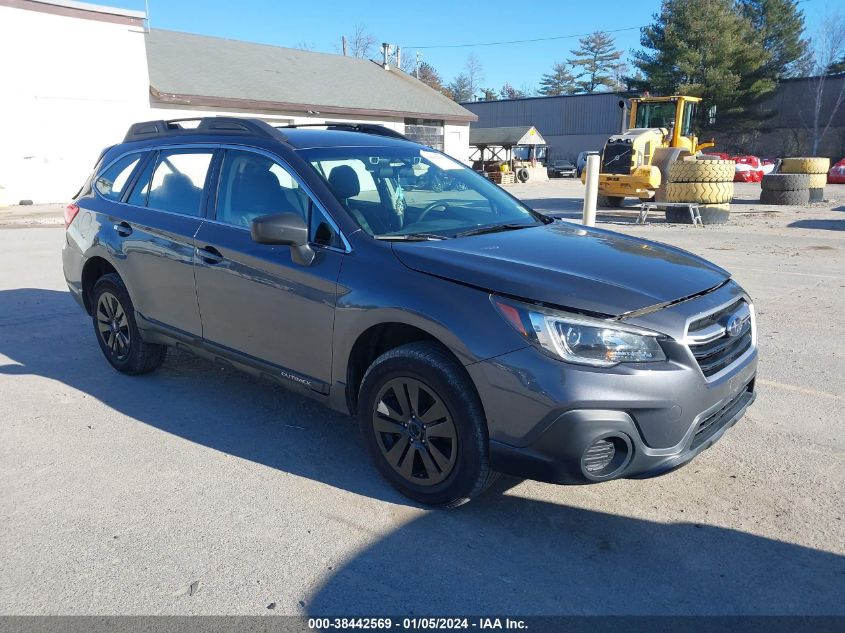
523,148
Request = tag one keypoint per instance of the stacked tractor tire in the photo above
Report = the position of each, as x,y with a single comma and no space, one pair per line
799,181
709,183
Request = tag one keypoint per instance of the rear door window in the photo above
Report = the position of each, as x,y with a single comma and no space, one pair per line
111,183
178,180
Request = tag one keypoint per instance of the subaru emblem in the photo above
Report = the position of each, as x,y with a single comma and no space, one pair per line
736,324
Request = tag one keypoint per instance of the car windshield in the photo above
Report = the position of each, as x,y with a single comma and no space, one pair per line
410,191
656,114
562,163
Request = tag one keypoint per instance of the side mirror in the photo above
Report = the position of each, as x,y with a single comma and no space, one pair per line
284,229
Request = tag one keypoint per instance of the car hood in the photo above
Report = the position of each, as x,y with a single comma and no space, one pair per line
562,264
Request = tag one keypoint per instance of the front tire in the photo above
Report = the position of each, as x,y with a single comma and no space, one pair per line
117,333
424,426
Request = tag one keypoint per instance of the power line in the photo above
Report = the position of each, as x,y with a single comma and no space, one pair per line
538,39
542,39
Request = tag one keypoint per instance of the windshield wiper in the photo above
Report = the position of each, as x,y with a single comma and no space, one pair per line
411,237
495,228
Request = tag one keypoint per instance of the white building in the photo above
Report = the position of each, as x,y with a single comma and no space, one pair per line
76,75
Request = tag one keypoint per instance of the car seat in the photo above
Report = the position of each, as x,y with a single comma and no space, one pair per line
255,192
178,194
345,183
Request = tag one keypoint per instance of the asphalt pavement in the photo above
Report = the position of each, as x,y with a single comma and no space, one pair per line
200,490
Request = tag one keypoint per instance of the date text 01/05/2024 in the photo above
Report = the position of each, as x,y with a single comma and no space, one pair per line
415,623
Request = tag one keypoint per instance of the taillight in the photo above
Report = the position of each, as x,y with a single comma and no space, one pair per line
70,213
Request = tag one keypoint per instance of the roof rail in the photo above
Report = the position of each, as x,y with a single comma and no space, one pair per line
207,125
363,128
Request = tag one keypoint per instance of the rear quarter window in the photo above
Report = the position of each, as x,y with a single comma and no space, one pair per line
111,182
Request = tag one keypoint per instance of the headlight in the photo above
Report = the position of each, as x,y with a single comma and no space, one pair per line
579,339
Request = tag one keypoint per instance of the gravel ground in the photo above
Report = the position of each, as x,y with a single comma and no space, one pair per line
200,490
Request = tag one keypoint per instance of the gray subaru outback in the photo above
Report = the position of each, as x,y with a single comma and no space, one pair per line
469,334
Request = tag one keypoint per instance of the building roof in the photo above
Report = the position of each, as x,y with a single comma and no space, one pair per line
199,70
95,8
505,136
83,10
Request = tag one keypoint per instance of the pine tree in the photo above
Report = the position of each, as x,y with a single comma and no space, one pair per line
708,49
780,25
460,89
509,92
595,62
427,74
558,82
488,94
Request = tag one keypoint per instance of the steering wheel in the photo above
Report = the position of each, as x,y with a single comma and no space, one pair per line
429,209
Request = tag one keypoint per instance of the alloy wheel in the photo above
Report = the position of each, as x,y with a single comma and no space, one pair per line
415,432
113,326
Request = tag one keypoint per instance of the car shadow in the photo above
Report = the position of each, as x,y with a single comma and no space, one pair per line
502,554
509,555
824,225
188,396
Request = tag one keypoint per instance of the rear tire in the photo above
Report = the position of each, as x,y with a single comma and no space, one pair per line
113,316
610,202
424,426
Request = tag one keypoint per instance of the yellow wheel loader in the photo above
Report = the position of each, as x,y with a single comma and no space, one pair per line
636,162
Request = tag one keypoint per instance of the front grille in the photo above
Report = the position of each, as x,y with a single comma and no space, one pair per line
721,349
618,158
710,425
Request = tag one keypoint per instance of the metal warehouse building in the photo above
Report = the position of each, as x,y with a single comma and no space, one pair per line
570,124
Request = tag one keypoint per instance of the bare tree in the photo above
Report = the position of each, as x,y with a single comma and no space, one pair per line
406,63
528,89
474,73
828,48
361,43
306,46
620,71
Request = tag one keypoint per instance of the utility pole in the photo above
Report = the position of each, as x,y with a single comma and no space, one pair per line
343,44
417,68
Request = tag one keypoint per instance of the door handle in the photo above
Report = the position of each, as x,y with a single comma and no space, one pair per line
209,255
123,229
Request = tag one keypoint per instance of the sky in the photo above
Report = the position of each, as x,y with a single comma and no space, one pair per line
428,26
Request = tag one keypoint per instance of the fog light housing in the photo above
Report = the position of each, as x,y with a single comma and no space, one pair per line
606,457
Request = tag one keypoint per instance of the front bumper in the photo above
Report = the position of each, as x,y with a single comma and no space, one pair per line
543,414
642,182
558,454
